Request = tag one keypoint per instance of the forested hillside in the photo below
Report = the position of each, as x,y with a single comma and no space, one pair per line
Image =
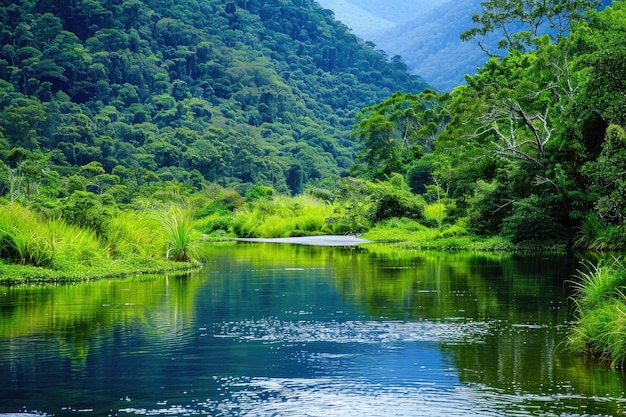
119,97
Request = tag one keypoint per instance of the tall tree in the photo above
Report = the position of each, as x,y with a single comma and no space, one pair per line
398,130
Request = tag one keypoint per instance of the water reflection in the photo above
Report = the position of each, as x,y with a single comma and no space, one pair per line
269,330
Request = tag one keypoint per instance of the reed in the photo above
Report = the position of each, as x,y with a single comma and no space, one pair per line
595,283
28,240
21,240
135,235
71,245
181,246
596,234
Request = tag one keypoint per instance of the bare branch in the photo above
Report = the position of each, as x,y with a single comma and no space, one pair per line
501,206
541,138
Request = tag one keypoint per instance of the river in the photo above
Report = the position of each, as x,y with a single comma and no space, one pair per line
270,329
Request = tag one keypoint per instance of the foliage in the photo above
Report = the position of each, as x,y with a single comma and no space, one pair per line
221,112
393,198
281,217
29,240
601,311
133,235
398,130
520,22
606,176
530,222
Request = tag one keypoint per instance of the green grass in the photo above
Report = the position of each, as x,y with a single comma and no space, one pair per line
282,217
600,304
410,234
33,248
178,234
12,274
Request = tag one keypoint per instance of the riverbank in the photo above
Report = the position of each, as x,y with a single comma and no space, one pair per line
11,275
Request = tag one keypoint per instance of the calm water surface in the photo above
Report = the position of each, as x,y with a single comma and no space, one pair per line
282,330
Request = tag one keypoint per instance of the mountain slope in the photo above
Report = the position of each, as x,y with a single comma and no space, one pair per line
154,91
431,47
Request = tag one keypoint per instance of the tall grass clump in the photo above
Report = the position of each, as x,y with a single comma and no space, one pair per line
435,213
246,222
25,239
135,235
282,217
178,233
21,238
596,234
600,307
71,245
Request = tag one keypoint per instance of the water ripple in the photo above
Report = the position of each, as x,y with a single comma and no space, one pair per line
273,330
338,397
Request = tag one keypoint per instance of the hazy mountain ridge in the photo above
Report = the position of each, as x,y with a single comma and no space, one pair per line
430,44
426,35
366,24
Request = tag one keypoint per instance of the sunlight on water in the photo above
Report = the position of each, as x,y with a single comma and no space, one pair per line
365,332
323,397
358,382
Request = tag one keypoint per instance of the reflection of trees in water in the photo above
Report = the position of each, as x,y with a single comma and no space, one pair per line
77,314
432,285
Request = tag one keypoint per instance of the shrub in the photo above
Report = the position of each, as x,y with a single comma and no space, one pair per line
260,192
530,222
276,226
394,199
321,194
214,223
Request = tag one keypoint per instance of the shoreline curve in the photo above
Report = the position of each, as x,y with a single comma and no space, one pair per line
330,240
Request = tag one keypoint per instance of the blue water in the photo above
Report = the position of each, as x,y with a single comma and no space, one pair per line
278,330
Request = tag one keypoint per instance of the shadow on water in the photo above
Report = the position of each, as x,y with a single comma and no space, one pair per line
273,329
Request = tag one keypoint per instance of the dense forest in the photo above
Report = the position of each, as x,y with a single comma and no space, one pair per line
272,119
122,97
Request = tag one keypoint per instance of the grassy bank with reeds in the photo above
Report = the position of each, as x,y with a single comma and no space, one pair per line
600,307
38,249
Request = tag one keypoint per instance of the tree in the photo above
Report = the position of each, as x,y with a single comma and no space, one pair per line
607,176
396,131
87,210
600,42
